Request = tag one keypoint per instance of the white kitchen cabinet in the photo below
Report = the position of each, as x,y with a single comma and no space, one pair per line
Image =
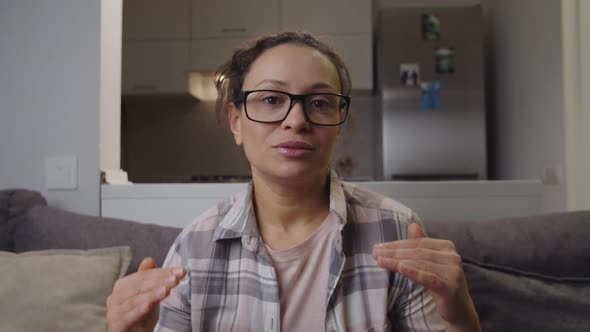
155,67
234,18
355,49
326,16
357,52
346,25
156,19
208,54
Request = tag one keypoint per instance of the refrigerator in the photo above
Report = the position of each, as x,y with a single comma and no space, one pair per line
430,78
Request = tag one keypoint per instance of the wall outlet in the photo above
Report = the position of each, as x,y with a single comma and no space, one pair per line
61,173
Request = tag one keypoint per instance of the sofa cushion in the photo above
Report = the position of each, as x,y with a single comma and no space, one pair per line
59,290
13,204
513,301
51,228
550,244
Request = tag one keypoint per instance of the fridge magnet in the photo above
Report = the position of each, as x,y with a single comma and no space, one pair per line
430,27
409,74
445,63
430,95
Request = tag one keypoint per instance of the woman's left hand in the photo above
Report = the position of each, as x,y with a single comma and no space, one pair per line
436,265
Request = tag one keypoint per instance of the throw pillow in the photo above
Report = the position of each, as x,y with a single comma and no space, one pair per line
59,290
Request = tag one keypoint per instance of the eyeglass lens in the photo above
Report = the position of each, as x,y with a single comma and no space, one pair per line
273,106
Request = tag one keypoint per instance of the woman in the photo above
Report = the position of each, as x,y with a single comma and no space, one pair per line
298,250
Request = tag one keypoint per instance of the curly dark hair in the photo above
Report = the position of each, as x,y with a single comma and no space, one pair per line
229,77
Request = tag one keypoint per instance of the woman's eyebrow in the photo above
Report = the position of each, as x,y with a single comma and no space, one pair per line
319,85
278,82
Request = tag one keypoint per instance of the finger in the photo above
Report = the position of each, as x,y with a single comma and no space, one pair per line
415,231
146,264
148,298
131,281
145,281
396,265
123,321
431,281
439,278
436,256
388,263
144,286
123,316
428,243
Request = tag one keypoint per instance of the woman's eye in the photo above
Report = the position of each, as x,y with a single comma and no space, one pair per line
320,103
272,100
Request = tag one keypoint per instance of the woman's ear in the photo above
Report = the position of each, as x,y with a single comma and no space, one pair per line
233,116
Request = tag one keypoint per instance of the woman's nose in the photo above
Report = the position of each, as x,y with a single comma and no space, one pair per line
296,118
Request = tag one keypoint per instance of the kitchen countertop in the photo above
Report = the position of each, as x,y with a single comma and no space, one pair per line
177,204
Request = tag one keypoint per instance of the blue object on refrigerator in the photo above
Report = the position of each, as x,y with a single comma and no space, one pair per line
430,95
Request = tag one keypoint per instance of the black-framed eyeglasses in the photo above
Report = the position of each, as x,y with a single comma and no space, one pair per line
271,106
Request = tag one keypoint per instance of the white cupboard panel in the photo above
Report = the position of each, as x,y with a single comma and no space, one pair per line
234,18
208,54
327,16
156,19
155,67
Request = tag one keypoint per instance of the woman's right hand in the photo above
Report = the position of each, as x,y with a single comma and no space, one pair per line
134,303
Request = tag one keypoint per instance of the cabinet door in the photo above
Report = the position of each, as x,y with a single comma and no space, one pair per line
208,54
357,52
156,19
326,16
155,67
234,18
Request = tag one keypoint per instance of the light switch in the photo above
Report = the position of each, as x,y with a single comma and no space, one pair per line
552,175
61,172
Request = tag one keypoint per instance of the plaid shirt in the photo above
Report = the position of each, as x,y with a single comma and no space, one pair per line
231,284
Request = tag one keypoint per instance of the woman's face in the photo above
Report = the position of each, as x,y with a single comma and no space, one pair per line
294,148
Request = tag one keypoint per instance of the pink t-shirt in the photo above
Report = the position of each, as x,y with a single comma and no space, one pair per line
302,273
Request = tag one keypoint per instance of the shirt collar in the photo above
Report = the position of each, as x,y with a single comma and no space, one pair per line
240,220
337,197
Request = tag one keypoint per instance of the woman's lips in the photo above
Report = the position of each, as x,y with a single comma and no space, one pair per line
294,149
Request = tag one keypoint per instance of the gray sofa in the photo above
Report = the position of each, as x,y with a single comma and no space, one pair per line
524,274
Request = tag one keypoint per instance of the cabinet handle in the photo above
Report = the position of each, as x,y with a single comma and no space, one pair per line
145,86
230,30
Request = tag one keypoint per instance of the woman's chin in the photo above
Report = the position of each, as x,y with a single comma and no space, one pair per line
295,173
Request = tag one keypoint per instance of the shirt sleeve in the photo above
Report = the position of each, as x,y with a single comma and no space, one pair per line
416,310
175,309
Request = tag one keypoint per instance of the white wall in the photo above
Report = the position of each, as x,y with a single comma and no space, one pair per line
526,90
110,84
576,49
49,93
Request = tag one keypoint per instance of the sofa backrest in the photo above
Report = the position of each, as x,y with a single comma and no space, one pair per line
50,228
554,245
526,274
13,205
